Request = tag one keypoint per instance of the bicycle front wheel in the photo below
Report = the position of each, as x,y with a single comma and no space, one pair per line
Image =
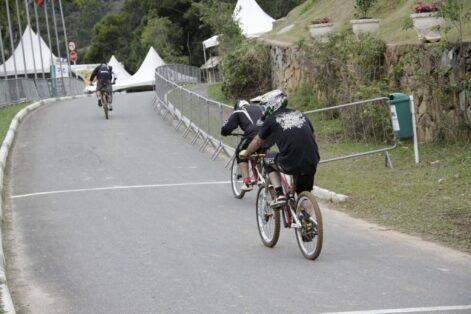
310,235
268,219
236,180
104,103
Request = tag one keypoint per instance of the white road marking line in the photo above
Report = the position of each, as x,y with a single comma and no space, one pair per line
409,310
119,188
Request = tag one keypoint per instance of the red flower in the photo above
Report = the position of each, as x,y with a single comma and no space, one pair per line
428,7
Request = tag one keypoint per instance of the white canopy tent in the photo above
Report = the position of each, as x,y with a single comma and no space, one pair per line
118,69
211,42
252,20
37,49
145,76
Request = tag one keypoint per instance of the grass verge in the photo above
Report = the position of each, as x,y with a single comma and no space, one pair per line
215,92
6,115
431,200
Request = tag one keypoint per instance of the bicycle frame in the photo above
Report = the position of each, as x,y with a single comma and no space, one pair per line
256,171
288,210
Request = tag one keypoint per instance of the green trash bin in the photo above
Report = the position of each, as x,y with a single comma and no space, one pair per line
401,115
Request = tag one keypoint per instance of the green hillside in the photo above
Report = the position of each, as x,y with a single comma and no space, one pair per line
392,15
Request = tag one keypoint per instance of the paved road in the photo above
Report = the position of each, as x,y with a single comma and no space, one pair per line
126,216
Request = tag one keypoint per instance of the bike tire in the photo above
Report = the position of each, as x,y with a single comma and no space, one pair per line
312,228
236,180
268,219
104,103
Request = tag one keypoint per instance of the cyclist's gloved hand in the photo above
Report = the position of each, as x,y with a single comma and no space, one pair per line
243,154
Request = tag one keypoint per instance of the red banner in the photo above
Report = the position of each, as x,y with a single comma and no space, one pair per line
40,2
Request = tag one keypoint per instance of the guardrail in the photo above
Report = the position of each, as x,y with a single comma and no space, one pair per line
358,128
25,89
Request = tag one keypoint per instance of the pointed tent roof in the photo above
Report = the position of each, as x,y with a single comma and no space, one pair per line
120,73
251,18
211,42
18,53
145,76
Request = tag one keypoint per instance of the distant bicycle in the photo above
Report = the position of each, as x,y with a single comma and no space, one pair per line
105,96
301,212
256,173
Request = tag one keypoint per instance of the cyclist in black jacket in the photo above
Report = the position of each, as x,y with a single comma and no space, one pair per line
104,74
248,118
294,135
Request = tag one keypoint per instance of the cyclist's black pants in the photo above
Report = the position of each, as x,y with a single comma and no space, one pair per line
302,181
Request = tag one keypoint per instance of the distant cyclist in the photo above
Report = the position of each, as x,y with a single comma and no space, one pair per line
104,75
294,135
248,118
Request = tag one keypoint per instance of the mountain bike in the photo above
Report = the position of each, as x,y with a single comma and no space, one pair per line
301,212
104,98
256,173
105,103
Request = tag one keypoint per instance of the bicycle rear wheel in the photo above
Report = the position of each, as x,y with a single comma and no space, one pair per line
268,220
104,103
236,180
310,235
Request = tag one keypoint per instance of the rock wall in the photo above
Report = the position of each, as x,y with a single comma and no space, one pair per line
435,78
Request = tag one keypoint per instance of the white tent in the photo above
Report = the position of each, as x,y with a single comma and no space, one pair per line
145,76
28,36
211,42
118,69
252,19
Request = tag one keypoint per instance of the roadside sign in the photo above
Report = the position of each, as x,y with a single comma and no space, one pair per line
61,68
71,45
73,56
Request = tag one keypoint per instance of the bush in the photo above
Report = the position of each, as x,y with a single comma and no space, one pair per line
246,70
343,70
363,6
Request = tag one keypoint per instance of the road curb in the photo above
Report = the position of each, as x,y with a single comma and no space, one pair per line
6,300
329,195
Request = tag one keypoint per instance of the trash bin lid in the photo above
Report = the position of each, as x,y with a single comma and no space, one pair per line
398,97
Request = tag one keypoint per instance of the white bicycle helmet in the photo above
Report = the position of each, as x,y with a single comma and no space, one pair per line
273,101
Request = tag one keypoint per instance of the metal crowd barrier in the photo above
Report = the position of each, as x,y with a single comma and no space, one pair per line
25,89
359,128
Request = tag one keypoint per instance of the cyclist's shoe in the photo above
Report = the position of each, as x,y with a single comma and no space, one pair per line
247,186
110,107
99,102
278,202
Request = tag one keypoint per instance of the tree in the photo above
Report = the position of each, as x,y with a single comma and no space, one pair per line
162,34
110,37
217,15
